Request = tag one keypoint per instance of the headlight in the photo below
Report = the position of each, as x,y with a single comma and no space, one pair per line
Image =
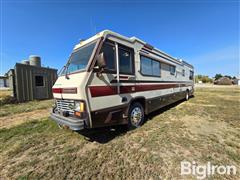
79,106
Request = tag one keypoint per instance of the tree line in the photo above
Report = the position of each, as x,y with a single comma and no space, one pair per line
207,79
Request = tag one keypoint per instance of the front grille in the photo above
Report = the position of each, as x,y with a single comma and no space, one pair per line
65,105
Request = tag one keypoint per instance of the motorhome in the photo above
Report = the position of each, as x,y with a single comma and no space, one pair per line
111,79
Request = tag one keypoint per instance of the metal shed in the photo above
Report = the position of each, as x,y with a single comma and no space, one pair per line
30,81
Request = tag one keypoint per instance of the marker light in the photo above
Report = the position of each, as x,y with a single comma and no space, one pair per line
79,106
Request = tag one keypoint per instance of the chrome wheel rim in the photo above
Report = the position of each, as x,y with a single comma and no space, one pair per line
136,115
187,96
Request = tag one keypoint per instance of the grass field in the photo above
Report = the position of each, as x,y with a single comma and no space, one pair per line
11,109
4,93
205,128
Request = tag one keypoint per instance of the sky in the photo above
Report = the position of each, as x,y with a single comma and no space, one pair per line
203,33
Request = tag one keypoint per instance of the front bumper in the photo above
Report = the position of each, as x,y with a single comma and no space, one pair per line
73,123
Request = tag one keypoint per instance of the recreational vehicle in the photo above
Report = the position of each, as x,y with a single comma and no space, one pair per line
110,79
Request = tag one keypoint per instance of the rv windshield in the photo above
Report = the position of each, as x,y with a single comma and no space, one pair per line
79,59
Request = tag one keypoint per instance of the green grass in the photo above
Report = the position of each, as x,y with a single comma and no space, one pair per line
206,128
9,109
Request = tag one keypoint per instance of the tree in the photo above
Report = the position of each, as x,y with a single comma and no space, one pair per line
218,76
204,79
230,77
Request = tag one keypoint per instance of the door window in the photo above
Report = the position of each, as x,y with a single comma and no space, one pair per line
126,58
109,55
125,61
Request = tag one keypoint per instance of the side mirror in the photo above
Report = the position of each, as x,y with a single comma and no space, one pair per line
101,61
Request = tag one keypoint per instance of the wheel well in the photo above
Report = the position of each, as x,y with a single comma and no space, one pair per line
140,100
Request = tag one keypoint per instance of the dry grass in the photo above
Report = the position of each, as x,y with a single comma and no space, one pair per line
19,118
14,109
206,128
4,93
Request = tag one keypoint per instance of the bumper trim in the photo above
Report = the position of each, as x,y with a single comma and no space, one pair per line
72,123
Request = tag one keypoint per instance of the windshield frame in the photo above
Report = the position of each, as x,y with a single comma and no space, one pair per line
65,67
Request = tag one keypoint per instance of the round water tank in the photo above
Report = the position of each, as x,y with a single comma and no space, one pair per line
35,60
25,62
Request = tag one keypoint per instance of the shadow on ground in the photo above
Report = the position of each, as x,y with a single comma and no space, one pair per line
103,135
106,134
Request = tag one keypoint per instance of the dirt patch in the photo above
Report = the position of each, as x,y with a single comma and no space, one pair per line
16,119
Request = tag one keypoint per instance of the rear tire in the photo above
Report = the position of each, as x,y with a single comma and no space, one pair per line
135,115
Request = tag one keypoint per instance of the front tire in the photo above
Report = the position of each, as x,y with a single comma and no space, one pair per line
136,115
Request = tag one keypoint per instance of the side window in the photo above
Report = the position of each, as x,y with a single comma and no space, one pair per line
172,69
183,72
155,68
149,66
39,81
109,55
191,75
125,61
146,66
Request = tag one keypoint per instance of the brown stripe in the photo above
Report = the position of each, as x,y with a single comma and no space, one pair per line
97,91
69,90
64,90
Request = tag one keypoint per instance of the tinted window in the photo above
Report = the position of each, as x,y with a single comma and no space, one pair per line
172,69
109,55
155,68
39,81
146,65
183,72
150,66
125,61
191,75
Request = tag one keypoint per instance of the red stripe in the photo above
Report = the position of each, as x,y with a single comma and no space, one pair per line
64,90
97,91
57,90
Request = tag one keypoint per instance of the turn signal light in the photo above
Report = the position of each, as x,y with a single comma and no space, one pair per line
77,114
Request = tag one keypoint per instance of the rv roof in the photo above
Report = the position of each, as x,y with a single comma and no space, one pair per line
106,33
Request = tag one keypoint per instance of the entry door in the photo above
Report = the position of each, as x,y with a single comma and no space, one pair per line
40,86
106,93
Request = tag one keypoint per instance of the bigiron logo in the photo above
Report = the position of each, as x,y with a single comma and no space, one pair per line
206,170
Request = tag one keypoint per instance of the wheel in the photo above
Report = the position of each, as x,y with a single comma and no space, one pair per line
136,115
187,96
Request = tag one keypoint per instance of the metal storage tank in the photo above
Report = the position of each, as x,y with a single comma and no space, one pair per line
25,62
35,60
